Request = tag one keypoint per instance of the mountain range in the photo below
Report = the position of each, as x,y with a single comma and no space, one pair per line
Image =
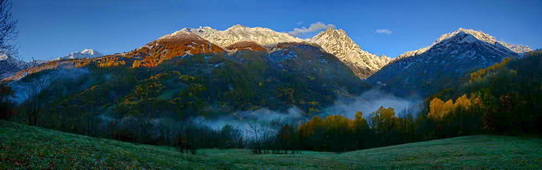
10,66
421,71
442,64
332,41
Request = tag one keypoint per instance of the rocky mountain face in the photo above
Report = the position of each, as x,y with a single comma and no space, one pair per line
246,45
338,43
442,64
86,53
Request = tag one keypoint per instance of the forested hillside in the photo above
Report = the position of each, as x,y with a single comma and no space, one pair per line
113,98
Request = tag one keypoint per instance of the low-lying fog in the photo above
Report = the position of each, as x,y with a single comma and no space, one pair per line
367,103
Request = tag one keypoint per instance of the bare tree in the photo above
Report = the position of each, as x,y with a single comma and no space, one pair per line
7,28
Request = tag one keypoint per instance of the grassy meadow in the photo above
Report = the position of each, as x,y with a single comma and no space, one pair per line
24,146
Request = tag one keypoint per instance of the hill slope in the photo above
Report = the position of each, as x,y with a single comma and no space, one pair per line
38,148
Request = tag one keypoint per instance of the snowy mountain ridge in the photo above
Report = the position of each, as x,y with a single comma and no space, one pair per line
332,41
238,33
442,64
85,53
476,34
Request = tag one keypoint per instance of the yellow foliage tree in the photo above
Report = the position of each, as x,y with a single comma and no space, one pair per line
311,126
435,108
439,109
358,122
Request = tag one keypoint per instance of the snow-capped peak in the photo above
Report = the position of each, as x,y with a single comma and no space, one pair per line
471,37
86,53
237,26
476,34
3,57
180,34
338,43
333,41
201,31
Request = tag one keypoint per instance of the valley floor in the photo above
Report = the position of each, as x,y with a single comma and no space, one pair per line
24,146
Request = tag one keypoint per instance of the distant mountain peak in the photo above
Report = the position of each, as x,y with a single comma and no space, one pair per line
3,57
237,26
85,53
476,34
183,33
468,36
89,51
442,64
335,32
337,42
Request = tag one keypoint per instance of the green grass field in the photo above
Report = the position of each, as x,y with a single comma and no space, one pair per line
38,148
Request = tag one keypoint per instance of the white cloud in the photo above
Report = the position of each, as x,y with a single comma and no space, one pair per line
318,26
300,22
383,31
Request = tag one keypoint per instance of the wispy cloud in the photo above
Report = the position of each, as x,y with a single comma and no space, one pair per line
383,31
318,26
300,22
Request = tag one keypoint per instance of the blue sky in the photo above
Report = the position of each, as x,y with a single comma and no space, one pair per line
49,29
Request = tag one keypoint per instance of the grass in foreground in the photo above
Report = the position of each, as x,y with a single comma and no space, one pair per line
24,146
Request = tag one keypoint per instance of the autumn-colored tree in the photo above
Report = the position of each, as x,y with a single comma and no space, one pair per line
439,110
311,126
456,118
436,109
383,119
480,74
359,123
463,103
110,61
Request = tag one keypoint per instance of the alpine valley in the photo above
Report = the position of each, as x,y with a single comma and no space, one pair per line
229,80
282,84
